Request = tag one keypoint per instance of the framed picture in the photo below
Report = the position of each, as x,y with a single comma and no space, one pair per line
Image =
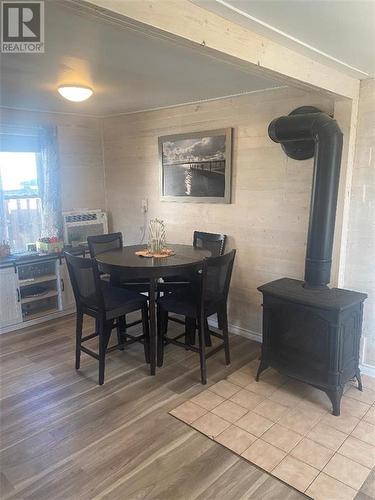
196,167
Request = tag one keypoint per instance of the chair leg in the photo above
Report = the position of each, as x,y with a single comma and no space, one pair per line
207,335
224,320
220,320
165,322
79,322
162,320
146,333
202,350
105,329
121,331
190,328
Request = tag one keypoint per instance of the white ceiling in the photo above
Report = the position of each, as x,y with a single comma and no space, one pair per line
131,70
128,70
337,32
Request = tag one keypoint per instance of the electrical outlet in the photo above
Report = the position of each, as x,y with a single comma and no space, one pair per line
144,205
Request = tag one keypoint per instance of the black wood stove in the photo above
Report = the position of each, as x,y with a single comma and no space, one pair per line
311,332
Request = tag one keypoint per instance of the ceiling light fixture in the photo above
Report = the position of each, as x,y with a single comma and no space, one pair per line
75,93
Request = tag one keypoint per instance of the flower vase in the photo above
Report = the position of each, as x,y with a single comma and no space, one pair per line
156,236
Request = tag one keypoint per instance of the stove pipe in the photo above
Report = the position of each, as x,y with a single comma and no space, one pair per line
301,134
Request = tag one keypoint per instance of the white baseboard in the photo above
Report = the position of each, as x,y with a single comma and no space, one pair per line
237,330
257,337
367,370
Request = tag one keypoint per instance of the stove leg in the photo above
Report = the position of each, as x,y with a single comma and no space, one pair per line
359,380
262,366
335,397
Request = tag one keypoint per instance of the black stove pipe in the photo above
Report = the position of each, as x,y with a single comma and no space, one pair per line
327,136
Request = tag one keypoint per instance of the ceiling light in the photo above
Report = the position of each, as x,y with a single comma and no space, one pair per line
75,93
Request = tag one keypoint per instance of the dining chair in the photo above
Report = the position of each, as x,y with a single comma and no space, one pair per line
108,305
215,243
210,241
103,243
207,294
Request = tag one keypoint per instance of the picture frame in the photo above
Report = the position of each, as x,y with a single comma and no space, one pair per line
196,167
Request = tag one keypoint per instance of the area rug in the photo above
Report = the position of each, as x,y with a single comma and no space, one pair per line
286,428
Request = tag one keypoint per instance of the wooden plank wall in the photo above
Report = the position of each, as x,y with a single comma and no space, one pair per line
267,220
359,266
80,144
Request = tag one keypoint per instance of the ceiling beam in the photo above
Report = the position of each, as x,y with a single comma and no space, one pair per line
184,20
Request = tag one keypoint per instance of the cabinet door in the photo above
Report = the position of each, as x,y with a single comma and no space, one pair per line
67,296
10,305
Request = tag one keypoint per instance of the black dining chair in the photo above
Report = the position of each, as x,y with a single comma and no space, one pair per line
107,304
103,243
112,241
106,242
210,241
100,243
215,243
207,294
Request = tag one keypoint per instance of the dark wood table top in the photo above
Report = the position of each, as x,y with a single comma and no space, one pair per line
125,258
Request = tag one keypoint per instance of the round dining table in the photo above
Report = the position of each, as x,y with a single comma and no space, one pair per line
123,264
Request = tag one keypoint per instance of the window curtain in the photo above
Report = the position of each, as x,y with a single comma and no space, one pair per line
3,225
48,168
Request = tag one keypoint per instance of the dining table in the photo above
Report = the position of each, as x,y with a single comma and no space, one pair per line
124,264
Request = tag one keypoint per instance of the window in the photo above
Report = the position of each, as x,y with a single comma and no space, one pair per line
20,197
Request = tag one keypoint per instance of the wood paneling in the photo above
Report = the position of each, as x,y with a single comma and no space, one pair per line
81,160
359,268
268,217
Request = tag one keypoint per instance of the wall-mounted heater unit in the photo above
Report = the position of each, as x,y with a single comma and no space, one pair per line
79,225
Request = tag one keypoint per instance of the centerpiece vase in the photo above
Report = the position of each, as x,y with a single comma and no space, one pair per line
156,236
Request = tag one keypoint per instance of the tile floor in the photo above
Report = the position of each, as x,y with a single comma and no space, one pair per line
286,428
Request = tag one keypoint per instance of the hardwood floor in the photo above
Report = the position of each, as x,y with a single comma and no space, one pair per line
65,437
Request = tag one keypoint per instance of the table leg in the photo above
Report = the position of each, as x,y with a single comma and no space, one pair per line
115,280
153,336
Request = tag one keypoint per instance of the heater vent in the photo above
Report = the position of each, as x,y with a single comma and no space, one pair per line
80,217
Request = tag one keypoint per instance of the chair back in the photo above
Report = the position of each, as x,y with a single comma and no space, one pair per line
217,274
103,243
215,243
86,282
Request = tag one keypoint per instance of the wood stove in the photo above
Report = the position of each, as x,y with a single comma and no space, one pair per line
311,332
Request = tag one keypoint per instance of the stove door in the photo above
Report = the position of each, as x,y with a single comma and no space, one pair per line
297,340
